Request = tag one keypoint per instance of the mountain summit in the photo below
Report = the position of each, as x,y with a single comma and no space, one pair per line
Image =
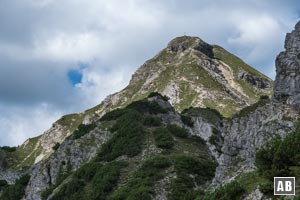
191,118
189,71
193,73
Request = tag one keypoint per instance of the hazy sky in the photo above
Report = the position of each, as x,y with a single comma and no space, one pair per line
63,56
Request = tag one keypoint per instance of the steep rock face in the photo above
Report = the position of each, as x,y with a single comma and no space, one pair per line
256,81
287,83
70,155
11,176
244,134
233,142
54,135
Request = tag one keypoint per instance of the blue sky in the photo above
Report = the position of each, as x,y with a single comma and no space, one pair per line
43,44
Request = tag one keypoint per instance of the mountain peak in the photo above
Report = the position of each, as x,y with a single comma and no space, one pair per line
182,43
189,72
194,73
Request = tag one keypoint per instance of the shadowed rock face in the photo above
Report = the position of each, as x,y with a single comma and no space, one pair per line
254,80
287,83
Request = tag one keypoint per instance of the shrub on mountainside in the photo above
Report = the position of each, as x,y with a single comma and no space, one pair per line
182,187
140,185
56,146
189,171
163,138
114,114
17,190
153,94
83,129
177,130
187,120
8,149
209,114
3,184
3,159
230,191
205,169
279,157
245,111
92,181
127,139
151,121
144,106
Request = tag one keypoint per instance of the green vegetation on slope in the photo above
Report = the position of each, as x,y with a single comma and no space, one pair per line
245,111
279,157
128,137
178,131
237,65
15,191
234,62
190,171
142,151
145,106
83,129
185,72
141,185
151,121
163,138
93,181
24,155
71,121
230,191
208,114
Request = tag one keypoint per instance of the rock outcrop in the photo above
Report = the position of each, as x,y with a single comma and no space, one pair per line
70,155
287,83
243,135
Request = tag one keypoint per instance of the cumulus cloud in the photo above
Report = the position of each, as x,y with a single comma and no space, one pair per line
19,124
41,41
255,41
67,47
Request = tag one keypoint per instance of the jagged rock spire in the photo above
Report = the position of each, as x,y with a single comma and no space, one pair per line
287,82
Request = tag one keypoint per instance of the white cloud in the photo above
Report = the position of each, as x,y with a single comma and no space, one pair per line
67,47
39,3
95,82
254,29
258,40
19,124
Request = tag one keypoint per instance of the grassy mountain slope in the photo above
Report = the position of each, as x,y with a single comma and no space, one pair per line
150,153
190,72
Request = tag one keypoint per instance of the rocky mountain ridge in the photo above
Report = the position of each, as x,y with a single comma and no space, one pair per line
232,142
189,71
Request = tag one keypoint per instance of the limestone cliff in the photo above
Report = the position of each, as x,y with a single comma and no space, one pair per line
287,83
